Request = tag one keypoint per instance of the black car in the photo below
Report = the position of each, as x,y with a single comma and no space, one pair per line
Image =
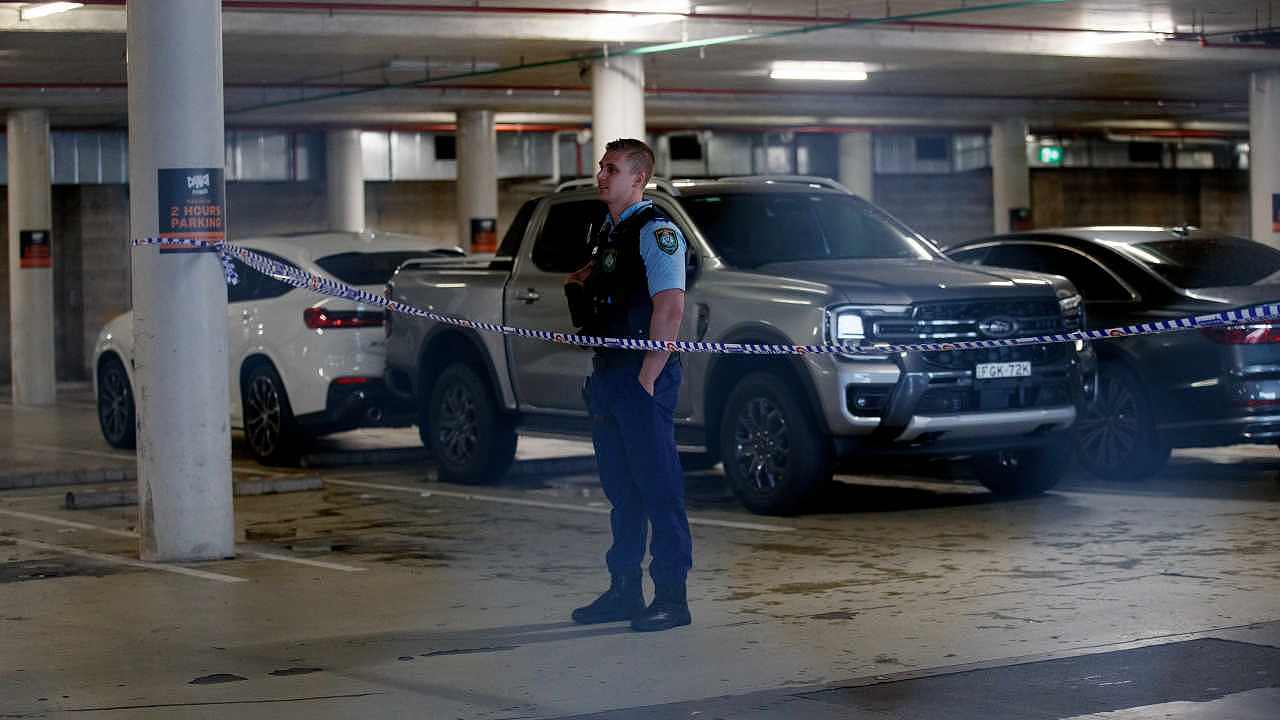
1196,388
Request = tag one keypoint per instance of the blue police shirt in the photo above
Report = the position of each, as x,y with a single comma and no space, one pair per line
663,248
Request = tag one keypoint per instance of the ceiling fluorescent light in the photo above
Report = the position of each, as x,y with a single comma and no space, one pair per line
836,71
31,12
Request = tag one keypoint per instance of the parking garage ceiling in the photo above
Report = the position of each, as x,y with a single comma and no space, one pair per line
1154,64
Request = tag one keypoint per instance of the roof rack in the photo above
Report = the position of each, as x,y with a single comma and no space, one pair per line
793,179
661,184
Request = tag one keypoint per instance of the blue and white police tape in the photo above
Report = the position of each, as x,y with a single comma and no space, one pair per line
325,286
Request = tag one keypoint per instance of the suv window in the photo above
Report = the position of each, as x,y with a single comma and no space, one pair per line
752,229
254,285
367,268
1086,273
562,244
1209,261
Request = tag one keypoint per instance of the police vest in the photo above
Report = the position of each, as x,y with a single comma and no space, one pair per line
618,287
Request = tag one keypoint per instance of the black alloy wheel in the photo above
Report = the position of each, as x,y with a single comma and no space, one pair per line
472,439
268,419
1116,438
776,456
116,412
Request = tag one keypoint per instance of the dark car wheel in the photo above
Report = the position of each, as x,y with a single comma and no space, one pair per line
775,456
471,438
1022,473
1117,439
269,426
116,412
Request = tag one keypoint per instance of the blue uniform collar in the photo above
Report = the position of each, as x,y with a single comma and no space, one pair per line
631,210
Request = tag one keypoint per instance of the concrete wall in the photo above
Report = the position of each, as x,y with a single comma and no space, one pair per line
91,257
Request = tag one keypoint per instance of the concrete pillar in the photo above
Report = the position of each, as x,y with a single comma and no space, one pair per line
1010,176
617,102
858,163
1264,156
344,178
477,181
176,158
30,259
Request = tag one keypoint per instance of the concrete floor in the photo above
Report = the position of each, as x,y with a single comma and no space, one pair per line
389,594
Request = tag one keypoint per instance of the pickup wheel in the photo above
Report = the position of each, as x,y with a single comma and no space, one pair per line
775,456
1023,473
1117,439
471,438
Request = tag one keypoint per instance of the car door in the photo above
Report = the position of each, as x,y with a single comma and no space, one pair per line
1108,300
245,302
548,376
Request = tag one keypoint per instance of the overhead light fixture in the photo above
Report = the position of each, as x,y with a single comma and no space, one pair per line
39,10
828,71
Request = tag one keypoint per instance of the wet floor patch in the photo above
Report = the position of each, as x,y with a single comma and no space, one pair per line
289,672
49,569
217,679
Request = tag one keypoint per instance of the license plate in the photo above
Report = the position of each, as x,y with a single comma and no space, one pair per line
995,371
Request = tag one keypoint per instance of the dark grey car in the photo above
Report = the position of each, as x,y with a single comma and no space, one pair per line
1157,392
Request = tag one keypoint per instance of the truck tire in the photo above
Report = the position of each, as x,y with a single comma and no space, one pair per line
775,455
1023,473
269,427
1117,438
472,440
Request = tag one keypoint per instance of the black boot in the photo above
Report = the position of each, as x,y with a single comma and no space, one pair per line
622,601
670,609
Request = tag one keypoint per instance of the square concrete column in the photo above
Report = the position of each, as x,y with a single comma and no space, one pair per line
477,181
617,102
1264,156
344,180
30,259
1010,175
176,155
858,163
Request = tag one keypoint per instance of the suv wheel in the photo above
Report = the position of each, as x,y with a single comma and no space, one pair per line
471,438
269,425
116,412
1117,439
775,456
1022,473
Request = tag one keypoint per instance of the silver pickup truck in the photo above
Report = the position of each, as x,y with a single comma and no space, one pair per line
771,260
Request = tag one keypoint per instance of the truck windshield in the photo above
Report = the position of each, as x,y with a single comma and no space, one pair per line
753,229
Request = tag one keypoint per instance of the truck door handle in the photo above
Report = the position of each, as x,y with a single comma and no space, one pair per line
529,296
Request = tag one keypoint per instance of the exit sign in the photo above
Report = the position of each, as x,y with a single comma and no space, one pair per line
1051,155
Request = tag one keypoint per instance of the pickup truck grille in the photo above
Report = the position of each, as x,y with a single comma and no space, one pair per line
958,321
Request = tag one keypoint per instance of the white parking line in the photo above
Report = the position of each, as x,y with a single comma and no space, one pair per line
133,535
546,505
177,570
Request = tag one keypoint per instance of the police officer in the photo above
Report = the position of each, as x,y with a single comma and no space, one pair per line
633,287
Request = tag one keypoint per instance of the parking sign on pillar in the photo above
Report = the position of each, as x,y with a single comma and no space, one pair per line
477,143
617,102
176,158
1264,156
30,259
1010,175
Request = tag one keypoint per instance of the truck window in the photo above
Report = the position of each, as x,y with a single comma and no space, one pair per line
510,246
561,246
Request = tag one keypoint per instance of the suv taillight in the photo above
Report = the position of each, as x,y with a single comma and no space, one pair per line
321,318
1264,334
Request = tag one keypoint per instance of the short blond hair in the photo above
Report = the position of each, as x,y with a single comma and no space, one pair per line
638,153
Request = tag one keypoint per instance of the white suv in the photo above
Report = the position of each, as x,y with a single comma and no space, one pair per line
302,364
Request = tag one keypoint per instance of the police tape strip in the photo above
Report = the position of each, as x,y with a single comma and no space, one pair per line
324,286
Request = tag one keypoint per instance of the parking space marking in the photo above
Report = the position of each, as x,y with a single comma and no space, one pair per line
116,560
133,536
545,505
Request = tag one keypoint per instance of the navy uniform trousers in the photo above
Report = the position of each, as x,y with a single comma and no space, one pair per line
634,438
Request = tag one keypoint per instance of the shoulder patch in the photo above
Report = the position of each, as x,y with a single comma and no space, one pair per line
667,240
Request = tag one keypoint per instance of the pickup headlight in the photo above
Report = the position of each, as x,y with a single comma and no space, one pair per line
1072,312
852,324
849,327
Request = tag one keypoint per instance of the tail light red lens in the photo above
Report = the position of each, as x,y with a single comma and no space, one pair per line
1264,334
352,380
321,318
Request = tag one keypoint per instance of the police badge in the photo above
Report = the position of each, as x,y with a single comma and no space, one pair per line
610,260
667,241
